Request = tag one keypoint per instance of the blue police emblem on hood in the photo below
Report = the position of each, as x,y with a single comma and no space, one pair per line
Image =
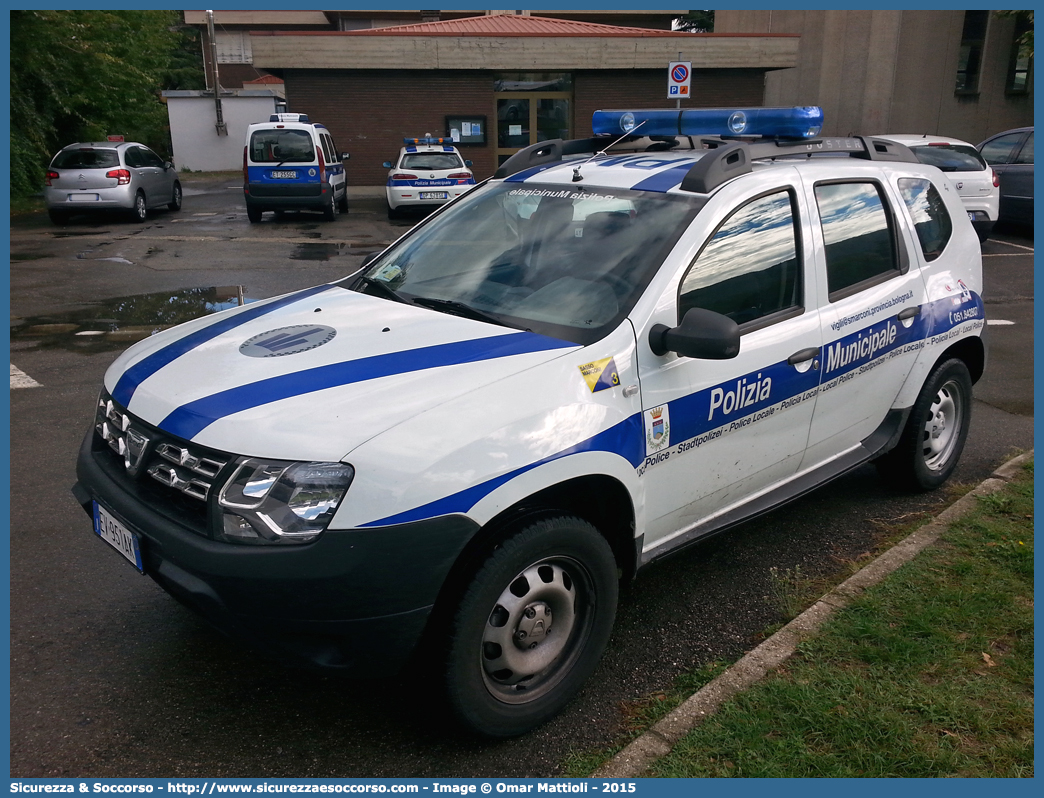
287,340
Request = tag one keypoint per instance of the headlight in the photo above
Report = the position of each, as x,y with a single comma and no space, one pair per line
271,501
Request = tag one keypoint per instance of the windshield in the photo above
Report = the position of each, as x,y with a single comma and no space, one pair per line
566,261
950,157
281,146
86,159
431,160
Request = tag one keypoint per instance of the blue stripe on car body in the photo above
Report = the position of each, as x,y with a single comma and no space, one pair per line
147,366
190,419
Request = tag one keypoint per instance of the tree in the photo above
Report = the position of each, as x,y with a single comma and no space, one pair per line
83,75
696,22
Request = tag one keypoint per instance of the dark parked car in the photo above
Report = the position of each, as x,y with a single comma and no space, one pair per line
1011,154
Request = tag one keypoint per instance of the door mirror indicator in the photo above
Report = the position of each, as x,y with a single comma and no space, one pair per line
702,334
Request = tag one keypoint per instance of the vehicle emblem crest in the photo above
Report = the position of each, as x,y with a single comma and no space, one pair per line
284,341
83,178
311,173
657,429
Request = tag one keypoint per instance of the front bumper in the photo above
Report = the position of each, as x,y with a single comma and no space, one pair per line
356,600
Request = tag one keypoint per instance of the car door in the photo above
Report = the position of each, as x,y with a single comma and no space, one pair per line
1011,156
717,432
160,180
873,294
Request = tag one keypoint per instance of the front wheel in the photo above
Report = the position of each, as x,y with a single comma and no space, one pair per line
531,627
175,198
935,433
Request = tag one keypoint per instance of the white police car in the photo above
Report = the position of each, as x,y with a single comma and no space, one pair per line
291,163
600,355
428,172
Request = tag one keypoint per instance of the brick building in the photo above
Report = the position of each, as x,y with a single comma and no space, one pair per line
509,79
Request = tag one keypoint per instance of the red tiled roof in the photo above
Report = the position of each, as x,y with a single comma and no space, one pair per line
511,25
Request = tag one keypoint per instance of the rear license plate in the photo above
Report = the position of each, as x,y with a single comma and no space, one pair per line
83,198
284,175
117,535
433,195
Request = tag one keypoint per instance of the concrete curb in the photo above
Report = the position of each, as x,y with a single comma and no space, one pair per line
658,740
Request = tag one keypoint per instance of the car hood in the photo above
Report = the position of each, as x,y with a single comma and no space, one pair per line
311,375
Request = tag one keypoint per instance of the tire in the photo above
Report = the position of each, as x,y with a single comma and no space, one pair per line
394,213
175,202
60,218
983,237
555,576
330,209
342,205
935,433
253,214
140,211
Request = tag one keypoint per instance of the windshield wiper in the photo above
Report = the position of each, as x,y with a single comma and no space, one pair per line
385,289
459,309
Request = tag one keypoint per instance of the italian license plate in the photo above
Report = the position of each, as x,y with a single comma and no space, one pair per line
117,535
291,175
83,198
433,195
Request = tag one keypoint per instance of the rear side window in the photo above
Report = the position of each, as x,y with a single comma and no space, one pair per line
950,157
930,217
86,159
278,146
999,149
431,160
750,268
857,232
1026,153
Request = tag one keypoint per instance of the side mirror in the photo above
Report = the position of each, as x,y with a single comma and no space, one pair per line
467,163
168,165
370,259
345,156
387,165
702,334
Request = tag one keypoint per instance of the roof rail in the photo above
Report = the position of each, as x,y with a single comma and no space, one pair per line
728,158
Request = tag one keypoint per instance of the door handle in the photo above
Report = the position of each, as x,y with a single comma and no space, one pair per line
909,313
803,355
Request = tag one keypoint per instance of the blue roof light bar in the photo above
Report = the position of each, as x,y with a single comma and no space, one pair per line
798,122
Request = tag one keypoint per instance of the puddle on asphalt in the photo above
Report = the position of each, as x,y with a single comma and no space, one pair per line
117,323
316,251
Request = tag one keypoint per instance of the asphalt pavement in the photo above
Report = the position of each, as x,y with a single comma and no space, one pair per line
111,677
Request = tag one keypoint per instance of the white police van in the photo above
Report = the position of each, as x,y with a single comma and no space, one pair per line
610,350
428,172
291,163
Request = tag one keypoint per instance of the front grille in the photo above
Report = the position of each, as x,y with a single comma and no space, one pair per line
173,476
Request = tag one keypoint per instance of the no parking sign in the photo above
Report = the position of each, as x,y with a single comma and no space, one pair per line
679,78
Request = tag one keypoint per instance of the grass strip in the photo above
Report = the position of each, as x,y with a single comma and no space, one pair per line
928,674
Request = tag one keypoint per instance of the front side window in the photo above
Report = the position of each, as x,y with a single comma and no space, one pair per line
431,160
750,268
279,146
564,261
857,232
930,217
1026,153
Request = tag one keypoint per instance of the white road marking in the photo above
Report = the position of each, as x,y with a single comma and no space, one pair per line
1004,254
19,379
1012,244
1000,322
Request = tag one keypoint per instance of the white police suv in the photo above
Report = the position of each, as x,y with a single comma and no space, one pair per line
613,348
291,163
428,172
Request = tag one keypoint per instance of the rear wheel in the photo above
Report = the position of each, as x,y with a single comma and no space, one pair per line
531,627
935,433
330,209
175,200
253,214
140,211
342,205
58,217
394,213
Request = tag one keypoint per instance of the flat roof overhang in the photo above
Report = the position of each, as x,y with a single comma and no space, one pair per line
278,50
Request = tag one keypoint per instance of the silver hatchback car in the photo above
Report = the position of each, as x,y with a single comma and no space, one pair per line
125,176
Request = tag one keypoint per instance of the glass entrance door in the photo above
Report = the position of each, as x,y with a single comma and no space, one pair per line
525,118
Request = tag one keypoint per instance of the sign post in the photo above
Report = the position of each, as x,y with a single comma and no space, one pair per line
679,80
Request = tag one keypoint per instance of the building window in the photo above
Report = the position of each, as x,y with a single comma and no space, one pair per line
969,61
1021,66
